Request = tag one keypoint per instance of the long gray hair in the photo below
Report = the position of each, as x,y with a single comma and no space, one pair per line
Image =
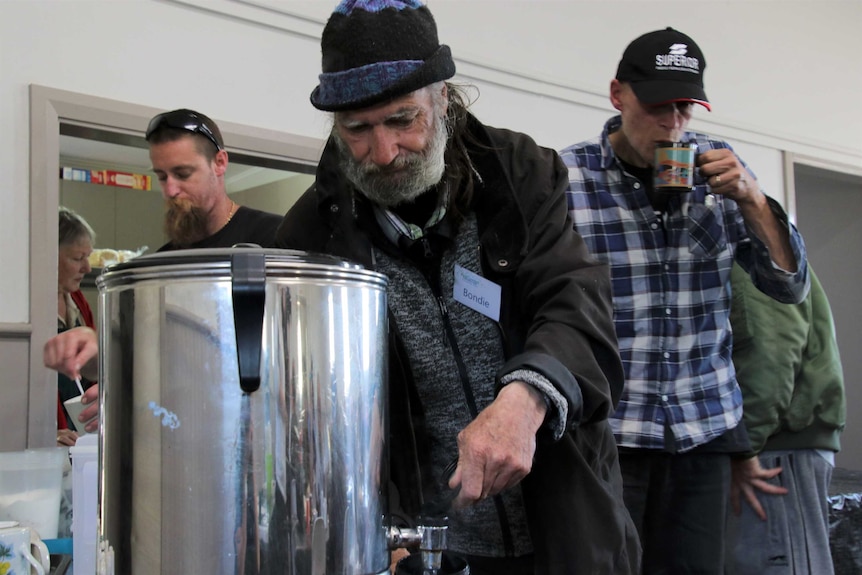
459,166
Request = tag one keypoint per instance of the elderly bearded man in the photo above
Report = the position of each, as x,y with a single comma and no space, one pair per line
518,391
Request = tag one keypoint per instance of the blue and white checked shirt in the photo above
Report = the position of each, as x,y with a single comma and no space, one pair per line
671,286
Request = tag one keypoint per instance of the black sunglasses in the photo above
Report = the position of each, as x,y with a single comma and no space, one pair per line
183,120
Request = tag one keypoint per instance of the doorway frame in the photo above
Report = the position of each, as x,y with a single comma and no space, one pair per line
50,107
791,160
841,173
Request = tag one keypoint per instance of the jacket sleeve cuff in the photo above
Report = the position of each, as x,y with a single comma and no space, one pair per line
557,375
555,418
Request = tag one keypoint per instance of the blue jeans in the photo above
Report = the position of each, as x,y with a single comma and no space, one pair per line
679,504
794,539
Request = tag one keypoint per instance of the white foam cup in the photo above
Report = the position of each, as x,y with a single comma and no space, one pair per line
74,407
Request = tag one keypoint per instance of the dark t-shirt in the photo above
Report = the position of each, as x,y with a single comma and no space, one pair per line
247,226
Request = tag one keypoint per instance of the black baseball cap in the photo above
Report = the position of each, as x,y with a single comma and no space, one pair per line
664,66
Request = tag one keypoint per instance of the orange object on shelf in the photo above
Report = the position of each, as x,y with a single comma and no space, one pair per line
108,178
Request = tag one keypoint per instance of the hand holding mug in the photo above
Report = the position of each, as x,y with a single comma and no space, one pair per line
726,175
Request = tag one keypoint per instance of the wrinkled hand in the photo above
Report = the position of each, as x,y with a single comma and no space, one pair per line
70,351
726,176
66,437
747,476
67,352
496,450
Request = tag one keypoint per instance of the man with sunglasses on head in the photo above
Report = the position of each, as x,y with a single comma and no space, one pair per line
190,161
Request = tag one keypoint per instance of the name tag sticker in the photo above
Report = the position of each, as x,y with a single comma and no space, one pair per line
477,293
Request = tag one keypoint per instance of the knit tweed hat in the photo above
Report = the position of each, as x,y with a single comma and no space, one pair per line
664,66
377,50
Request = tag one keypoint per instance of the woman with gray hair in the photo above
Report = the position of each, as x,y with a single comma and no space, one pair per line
76,239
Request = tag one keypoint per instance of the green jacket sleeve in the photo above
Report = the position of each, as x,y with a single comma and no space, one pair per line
786,359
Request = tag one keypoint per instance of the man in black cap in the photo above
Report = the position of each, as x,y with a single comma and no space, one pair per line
670,255
190,162
503,361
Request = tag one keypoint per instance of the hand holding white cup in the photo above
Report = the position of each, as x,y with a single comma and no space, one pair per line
74,407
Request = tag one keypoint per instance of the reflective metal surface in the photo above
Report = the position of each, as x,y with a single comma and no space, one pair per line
199,475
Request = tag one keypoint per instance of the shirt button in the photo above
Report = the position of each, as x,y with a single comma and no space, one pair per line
666,355
667,311
637,185
654,225
664,398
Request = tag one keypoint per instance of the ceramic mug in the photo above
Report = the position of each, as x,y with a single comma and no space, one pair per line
674,167
21,550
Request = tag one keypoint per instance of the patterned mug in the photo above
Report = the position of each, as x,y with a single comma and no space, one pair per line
674,167
21,551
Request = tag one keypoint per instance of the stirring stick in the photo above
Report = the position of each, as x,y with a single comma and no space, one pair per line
78,383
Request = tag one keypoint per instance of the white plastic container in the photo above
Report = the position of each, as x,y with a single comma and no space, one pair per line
85,495
30,487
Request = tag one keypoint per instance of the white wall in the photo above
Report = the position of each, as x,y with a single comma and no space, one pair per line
782,75
787,68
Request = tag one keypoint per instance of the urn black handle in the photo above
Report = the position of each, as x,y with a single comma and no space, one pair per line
248,291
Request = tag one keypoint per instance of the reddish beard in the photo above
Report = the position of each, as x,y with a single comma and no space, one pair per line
185,223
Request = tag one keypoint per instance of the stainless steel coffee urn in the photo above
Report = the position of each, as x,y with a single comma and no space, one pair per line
243,415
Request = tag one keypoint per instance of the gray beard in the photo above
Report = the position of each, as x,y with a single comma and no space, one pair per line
405,179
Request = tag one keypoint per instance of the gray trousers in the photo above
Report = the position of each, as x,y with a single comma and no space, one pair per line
794,539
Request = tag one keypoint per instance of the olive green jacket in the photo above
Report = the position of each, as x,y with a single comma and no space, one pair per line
788,366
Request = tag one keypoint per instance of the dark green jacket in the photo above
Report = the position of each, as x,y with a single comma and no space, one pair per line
788,367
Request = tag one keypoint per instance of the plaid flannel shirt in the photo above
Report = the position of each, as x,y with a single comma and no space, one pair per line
671,287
